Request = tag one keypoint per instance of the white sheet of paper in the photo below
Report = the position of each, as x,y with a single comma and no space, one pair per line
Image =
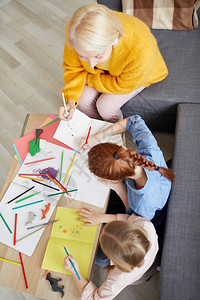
90,190
19,185
70,133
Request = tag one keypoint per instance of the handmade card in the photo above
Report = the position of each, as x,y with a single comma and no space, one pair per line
77,239
21,145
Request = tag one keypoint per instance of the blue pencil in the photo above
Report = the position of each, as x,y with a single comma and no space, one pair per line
72,264
17,154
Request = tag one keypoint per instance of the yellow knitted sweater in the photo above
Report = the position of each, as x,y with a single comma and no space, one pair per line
135,61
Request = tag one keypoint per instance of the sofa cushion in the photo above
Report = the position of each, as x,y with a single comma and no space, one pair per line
180,265
162,14
157,103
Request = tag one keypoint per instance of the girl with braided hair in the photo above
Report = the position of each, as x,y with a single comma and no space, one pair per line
140,178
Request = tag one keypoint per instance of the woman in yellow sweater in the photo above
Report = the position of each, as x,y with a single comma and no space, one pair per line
109,57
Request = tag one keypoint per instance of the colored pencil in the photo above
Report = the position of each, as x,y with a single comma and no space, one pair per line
20,194
69,179
27,204
69,167
55,183
72,265
22,174
42,224
61,164
27,197
15,230
51,122
30,178
29,234
88,135
36,161
61,193
20,255
10,261
45,275
64,103
52,176
51,187
17,154
5,223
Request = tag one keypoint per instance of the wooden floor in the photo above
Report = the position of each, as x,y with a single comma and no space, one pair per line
32,35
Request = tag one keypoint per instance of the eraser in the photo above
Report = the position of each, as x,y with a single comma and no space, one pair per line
43,144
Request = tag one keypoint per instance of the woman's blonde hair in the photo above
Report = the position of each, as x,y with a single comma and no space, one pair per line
125,244
94,27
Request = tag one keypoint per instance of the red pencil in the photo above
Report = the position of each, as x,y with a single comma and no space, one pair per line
20,255
88,135
33,162
23,174
15,230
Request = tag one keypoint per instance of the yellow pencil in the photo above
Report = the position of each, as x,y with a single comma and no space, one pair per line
31,178
69,167
13,262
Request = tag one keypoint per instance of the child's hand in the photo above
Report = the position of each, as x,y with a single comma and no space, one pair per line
68,266
91,218
92,140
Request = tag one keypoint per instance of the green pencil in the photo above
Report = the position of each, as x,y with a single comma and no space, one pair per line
61,164
5,223
27,204
62,193
27,197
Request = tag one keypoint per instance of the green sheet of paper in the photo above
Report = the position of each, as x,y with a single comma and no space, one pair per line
77,239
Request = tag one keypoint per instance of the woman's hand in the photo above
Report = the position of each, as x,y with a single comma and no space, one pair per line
70,110
92,140
68,266
91,218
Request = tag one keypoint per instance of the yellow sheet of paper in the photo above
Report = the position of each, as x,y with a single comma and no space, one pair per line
77,239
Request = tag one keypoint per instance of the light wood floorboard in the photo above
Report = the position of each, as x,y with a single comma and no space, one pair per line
32,37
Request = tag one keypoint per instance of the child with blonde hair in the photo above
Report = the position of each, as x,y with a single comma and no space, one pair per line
129,242
109,57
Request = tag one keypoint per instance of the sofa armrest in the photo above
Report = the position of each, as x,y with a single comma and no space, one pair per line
180,265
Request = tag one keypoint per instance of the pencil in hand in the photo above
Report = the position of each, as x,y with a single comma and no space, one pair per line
72,264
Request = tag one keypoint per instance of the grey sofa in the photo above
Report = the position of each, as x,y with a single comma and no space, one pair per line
173,105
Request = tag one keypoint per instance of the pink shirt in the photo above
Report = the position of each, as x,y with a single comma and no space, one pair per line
117,280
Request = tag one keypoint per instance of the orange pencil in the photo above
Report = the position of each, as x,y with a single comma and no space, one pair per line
55,182
38,179
20,255
15,230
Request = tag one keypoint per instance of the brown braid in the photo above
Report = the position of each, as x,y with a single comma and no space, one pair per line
110,161
141,161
